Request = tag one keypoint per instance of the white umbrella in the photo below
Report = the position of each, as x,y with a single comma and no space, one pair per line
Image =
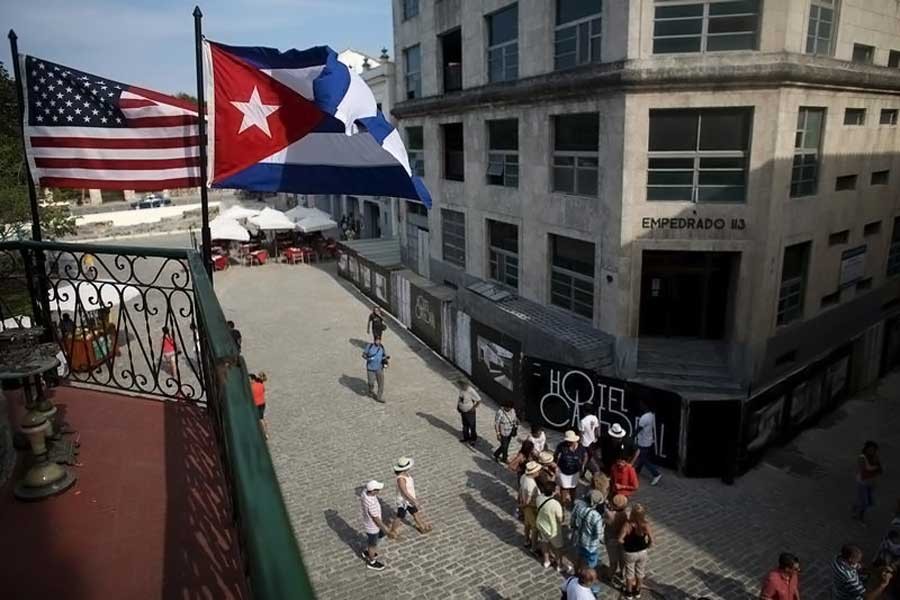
271,220
92,295
315,223
237,212
298,213
228,229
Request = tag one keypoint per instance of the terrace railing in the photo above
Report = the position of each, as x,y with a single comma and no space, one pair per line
106,307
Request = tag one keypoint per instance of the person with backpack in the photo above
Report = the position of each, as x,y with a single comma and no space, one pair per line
376,362
587,528
549,523
506,426
579,587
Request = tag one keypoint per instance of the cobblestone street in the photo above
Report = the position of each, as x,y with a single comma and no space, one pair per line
306,328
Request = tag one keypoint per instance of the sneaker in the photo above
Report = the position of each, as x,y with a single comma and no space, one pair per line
375,565
546,564
656,479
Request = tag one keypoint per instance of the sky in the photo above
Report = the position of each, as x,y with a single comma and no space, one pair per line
150,43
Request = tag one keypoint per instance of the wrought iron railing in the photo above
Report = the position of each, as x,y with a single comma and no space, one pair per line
125,295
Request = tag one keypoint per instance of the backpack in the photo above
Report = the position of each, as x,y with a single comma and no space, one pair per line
565,591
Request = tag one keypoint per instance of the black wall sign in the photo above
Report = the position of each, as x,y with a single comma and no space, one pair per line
381,285
558,396
495,364
425,313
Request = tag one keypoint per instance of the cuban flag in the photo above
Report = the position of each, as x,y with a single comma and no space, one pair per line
300,121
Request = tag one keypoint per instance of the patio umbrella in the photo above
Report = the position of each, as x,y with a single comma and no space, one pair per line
237,213
298,213
315,223
228,229
271,220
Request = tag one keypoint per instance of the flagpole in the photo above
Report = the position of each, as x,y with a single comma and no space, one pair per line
20,99
204,198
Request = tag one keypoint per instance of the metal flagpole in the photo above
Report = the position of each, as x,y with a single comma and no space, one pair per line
204,198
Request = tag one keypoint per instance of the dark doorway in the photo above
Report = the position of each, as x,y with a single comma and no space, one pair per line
686,294
374,219
451,50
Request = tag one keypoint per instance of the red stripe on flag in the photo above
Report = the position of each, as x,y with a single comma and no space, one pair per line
119,143
150,164
114,184
173,121
136,103
185,104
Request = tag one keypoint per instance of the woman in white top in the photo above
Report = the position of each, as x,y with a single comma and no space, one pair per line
406,497
539,439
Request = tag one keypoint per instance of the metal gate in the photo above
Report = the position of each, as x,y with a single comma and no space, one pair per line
400,298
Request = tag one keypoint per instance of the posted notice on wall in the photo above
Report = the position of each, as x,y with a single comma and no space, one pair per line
853,266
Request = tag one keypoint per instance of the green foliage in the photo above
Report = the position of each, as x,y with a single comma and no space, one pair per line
15,214
186,96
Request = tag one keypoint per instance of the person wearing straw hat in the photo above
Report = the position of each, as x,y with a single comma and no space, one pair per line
374,526
570,458
406,497
548,467
528,491
615,518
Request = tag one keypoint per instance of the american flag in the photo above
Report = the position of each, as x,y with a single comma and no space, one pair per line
83,131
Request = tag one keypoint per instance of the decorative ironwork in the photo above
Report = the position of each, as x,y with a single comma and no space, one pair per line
117,317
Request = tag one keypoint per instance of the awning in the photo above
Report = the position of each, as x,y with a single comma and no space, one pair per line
228,229
315,223
237,213
271,220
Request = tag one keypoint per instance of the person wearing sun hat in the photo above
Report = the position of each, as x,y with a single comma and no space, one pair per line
548,467
612,444
615,518
528,491
374,526
406,497
570,458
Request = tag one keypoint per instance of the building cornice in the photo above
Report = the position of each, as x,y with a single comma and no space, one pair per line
666,73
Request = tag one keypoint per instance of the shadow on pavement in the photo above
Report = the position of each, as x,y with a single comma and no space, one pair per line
489,593
501,473
492,490
361,344
359,386
727,586
662,591
506,531
440,424
344,531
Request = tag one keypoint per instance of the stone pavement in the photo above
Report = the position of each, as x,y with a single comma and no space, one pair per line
306,328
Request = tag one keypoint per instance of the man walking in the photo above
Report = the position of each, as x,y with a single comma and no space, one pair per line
646,445
468,400
782,583
374,526
506,425
376,362
376,323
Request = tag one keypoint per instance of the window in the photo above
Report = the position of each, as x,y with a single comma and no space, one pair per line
412,57
578,30
864,284
710,26
880,177
841,237
855,116
416,208
453,237
699,155
503,253
863,54
451,56
893,262
873,228
503,44
576,141
410,9
894,58
793,283
831,299
454,159
888,116
820,30
808,139
415,149
845,182
503,153
572,275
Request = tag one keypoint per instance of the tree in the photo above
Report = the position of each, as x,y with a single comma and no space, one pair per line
15,212
186,96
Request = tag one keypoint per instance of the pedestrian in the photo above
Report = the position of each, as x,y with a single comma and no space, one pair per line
466,404
636,538
407,502
594,464
570,457
889,549
589,428
580,587
517,463
600,482
587,528
549,523
374,526
258,391
376,362
506,425
623,477
527,500
375,324
868,469
646,445
538,439
548,467
845,580
615,519
612,446
783,582
169,351
235,334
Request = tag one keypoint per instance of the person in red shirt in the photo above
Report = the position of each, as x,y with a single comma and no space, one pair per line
623,477
169,351
782,583
258,388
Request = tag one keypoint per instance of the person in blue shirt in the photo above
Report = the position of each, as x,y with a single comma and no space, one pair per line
376,361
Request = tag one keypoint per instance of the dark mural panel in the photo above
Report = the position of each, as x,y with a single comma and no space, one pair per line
558,396
425,313
495,364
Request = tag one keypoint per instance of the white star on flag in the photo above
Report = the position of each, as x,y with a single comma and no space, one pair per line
256,114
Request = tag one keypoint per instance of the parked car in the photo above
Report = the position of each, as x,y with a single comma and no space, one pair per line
152,201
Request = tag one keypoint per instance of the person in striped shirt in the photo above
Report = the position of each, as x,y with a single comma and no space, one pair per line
845,581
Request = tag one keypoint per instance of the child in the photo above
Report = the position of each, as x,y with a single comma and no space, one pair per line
406,497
